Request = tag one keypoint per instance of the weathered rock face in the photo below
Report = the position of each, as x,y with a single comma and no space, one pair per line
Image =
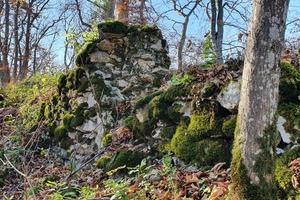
124,64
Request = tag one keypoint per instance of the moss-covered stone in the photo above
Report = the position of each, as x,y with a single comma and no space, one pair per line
102,162
115,27
67,119
90,112
62,81
183,146
201,125
145,100
130,158
211,152
291,112
289,86
209,90
106,140
60,132
228,126
83,55
168,132
283,174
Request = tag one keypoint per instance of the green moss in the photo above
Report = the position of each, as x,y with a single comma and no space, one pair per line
115,27
211,152
41,114
228,127
168,132
90,112
264,167
157,82
48,112
106,140
291,112
60,132
67,118
149,29
77,120
175,92
102,162
283,174
289,86
208,90
201,125
82,57
145,100
183,146
130,158
62,81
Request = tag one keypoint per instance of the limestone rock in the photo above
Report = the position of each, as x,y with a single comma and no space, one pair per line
230,96
105,45
284,135
100,56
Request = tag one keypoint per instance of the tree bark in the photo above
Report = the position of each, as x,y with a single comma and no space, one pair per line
217,28
255,144
4,70
17,42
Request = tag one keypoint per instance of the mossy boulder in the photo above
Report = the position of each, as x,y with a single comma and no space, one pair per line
60,132
115,27
228,126
83,57
283,174
130,158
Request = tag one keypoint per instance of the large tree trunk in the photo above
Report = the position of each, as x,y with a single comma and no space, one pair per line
255,144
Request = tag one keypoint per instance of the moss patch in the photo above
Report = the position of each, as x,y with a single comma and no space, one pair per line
289,87
106,140
82,57
228,127
102,162
264,167
129,158
60,132
283,174
115,27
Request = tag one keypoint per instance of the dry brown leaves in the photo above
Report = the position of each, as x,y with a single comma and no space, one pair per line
295,167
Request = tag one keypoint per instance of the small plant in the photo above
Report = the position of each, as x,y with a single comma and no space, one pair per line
185,80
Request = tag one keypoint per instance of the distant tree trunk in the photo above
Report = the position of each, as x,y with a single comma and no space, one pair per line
180,9
4,70
16,40
26,56
181,42
217,28
141,12
255,136
111,11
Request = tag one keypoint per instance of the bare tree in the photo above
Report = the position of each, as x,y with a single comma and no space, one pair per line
255,144
185,11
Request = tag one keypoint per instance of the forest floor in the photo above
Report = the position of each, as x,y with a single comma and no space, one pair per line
32,173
